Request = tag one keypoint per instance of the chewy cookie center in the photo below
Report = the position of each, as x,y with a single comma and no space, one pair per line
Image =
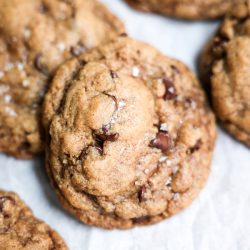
114,119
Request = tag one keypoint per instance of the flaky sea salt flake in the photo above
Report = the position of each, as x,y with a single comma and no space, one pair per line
135,72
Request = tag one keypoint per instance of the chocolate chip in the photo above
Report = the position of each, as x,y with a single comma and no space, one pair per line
3,199
113,74
170,91
123,34
141,194
162,141
190,103
24,146
82,154
43,8
140,220
111,137
100,139
39,66
175,69
77,50
196,147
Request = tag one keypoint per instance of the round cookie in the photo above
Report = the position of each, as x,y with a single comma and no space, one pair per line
129,135
20,230
35,38
187,9
225,68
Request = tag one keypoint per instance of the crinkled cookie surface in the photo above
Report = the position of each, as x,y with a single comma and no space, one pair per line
36,36
187,9
225,66
20,230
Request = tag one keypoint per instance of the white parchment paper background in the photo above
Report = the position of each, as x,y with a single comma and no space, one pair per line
218,219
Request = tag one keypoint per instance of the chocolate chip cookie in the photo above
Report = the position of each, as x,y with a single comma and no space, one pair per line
225,65
187,9
36,36
20,230
129,135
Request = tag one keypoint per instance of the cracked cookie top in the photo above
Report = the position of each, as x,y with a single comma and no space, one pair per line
36,36
129,135
225,67
20,230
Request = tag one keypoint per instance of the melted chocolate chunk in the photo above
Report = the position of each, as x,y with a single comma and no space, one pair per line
140,220
170,91
124,34
113,74
162,141
196,147
175,69
39,66
101,138
43,8
77,50
3,199
141,194
111,137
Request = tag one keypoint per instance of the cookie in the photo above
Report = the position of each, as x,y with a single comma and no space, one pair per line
20,230
187,9
129,135
35,38
225,68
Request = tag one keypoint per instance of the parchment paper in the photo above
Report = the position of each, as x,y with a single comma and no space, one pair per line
218,219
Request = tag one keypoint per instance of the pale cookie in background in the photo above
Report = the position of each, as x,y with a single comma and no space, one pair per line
20,230
130,135
187,9
35,38
225,66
